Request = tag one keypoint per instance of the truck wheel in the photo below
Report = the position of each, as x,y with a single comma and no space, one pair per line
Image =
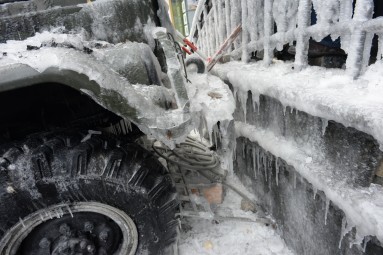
66,194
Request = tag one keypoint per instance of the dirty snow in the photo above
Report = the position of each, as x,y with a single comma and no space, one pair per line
201,236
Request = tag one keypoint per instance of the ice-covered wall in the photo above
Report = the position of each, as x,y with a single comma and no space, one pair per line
307,126
309,222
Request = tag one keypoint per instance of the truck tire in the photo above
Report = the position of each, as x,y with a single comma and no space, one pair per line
74,193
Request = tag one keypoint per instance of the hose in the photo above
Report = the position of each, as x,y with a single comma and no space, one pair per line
201,159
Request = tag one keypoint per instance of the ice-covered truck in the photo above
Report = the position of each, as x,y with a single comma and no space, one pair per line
308,138
79,82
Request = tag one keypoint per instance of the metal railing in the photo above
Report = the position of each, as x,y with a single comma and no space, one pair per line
267,25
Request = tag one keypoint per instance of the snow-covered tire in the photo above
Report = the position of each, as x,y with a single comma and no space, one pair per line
62,169
199,64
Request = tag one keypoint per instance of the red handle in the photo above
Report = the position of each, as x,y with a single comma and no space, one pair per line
190,44
186,50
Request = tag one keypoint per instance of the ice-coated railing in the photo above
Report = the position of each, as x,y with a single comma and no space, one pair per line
270,24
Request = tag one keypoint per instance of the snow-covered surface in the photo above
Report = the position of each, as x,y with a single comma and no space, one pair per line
363,207
201,236
327,93
208,94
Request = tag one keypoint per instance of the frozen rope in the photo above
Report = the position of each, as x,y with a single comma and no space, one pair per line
195,156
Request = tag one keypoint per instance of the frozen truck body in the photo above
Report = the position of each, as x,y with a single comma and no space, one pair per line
80,81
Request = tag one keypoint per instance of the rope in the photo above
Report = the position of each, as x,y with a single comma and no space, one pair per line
195,156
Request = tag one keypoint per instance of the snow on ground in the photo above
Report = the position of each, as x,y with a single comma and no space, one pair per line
240,238
201,236
327,93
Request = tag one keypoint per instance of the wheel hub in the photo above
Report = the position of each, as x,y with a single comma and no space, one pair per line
84,230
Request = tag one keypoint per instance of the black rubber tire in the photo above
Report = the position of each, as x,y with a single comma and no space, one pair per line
196,61
53,168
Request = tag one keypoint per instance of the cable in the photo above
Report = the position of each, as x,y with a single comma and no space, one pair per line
201,159
180,54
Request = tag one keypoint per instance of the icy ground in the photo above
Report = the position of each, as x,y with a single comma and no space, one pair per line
202,236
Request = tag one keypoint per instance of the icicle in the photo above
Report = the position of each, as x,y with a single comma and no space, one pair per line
302,41
380,47
255,98
245,32
235,18
346,11
295,180
222,20
70,211
315,191
258,166
284,110
291,110
276,170
129,125
200,129
235,93
265,166
235,151
365,241
326,212
360,240
242,98
227,146
252,16
215,134
209,129
254,168
345,229
342,232
22,222
227,19
324,126
216,23
268,30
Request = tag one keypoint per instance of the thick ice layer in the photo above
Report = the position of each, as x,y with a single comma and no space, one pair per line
326,93
212,97
363,207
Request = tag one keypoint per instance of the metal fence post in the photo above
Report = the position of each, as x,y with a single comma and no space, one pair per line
269,29
302,42
360,43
